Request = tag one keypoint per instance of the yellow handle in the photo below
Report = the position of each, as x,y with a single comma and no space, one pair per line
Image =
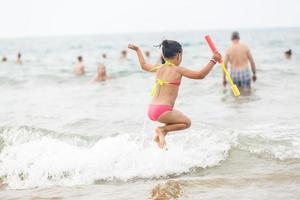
227,74
234,88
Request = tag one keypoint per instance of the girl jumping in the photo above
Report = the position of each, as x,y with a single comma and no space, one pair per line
165,90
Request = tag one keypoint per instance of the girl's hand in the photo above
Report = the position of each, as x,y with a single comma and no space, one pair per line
133,47
217,56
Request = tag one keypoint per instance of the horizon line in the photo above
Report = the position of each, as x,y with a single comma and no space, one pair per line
143,32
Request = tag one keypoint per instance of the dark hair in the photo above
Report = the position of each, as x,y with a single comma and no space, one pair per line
19,55
170,48
79,58
235,35
162,60
288,52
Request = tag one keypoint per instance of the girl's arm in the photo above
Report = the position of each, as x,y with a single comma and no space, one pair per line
145,66
202,72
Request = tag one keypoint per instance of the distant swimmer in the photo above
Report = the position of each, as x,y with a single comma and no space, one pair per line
165,90
104,56
123,54
4,59
288,54
79,66
101,74
239,55
19,61
147,54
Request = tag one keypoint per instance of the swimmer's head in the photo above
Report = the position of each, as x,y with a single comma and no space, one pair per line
288,53
4,59
104,56
172,50
147,53
124,53
101,71
79,58
19,55
235,36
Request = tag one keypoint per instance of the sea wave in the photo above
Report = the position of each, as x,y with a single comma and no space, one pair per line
36,157
279,141
46,160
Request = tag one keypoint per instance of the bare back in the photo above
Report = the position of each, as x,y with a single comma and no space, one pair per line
79,69
238,55
167,94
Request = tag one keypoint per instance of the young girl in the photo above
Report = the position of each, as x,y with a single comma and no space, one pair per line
165,90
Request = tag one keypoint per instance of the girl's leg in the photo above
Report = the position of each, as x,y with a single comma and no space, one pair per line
174,121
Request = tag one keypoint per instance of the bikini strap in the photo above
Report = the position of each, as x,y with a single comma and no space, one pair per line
167,63
154,69
158,82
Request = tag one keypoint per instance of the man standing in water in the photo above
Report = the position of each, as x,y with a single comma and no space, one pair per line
239,55
79,67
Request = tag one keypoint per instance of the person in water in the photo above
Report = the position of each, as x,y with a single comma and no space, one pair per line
101,74
79,66
147,54
101,71
19,61
166,87
4,59
239,55
123,55
288,54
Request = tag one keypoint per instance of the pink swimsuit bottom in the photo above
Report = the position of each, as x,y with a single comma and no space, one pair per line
155,111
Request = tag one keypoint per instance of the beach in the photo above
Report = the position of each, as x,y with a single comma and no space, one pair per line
63,137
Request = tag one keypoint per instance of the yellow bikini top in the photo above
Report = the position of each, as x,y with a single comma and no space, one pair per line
160,82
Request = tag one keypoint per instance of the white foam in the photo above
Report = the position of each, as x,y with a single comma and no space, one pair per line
280,141
47,161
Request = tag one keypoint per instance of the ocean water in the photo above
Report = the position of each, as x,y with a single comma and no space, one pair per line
63,137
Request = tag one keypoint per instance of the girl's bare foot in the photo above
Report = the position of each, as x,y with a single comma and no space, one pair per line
156,139
161,137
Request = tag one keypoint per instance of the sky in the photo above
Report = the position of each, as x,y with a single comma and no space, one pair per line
27,18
